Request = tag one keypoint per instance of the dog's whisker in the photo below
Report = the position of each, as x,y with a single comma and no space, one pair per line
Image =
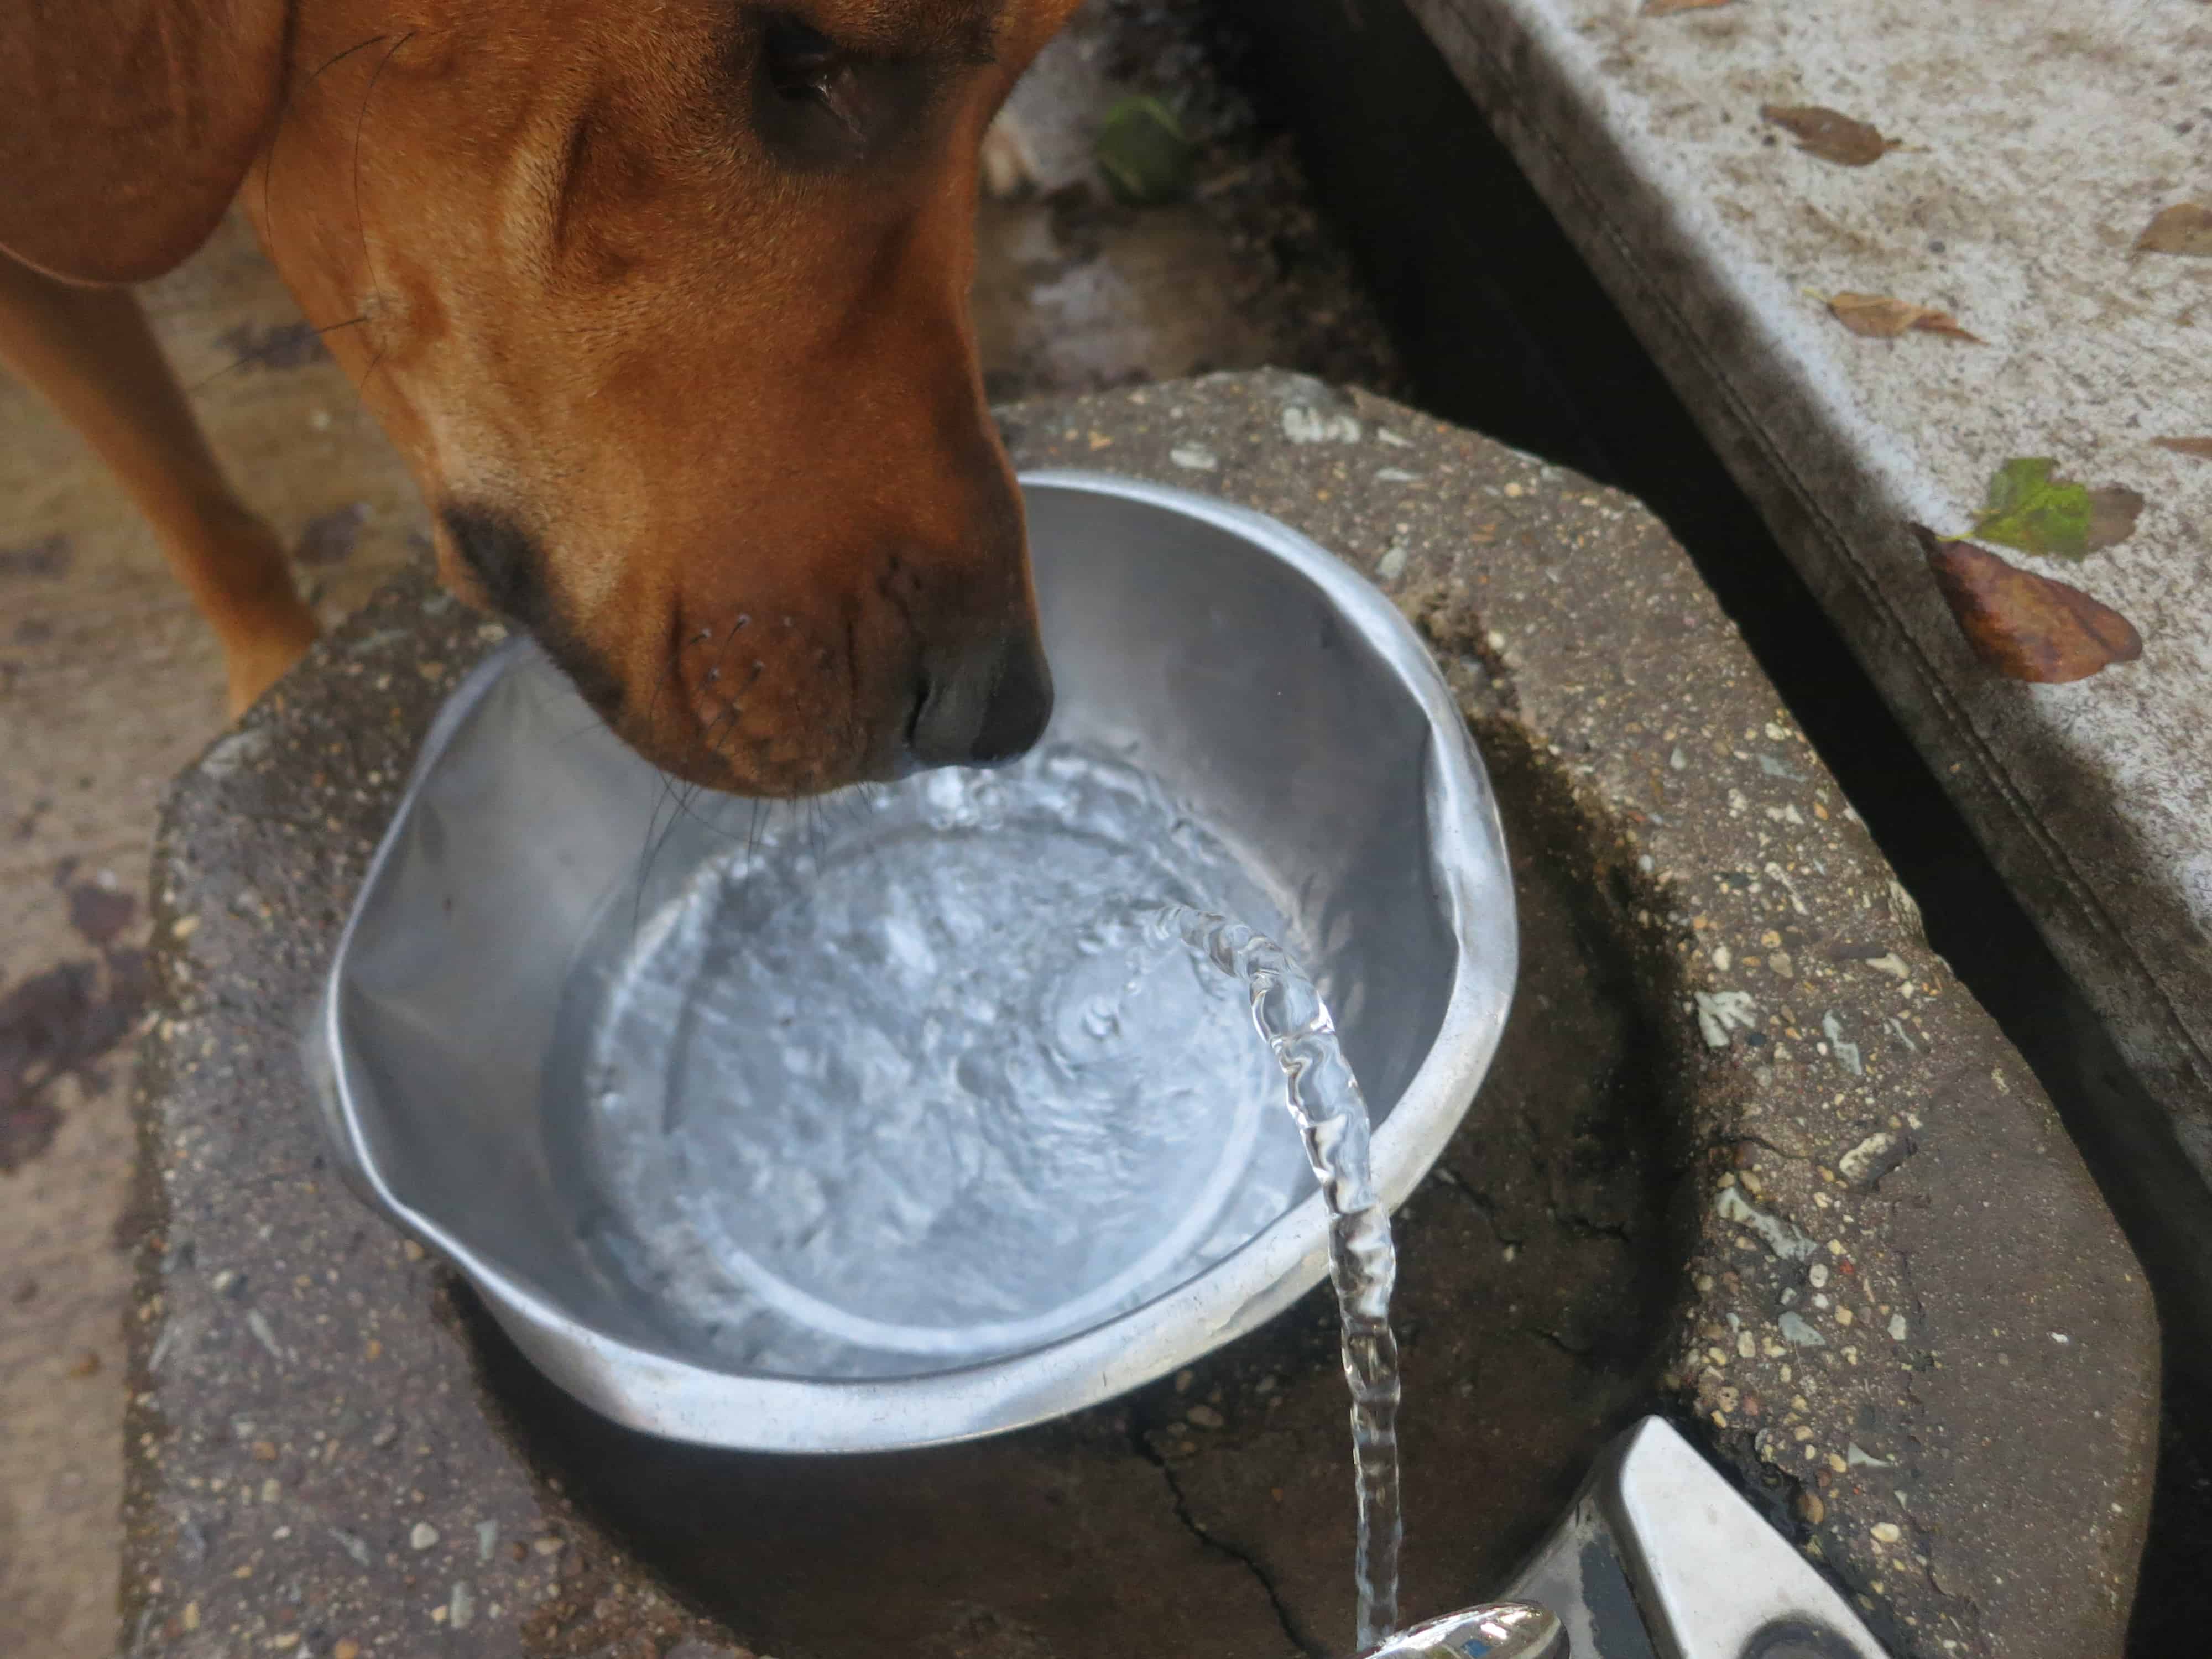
680,801
714,670
284,116
360,218
360,390
681,798
244,358
848,806
578,733
360,130
678,810
722,725
650,850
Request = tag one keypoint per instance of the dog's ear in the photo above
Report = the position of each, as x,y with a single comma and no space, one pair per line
127,125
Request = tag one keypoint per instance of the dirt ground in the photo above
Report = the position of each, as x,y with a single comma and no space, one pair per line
109,685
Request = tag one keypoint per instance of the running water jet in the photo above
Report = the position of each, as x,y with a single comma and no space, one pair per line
1325,1099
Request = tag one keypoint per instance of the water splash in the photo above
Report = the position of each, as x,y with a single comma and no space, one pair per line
1331,1112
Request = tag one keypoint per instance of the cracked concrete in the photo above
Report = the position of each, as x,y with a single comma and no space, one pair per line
1485,1207
1299,1639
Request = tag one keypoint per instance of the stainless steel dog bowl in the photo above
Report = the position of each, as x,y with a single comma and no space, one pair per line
1269,690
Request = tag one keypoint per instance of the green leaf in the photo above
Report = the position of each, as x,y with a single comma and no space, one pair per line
2030,509
1144,153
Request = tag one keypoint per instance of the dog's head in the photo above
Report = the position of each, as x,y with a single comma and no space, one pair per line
665,302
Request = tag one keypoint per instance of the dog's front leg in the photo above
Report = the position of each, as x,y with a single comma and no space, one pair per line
89,350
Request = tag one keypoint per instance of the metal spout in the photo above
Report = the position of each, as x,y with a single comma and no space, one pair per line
1498,1630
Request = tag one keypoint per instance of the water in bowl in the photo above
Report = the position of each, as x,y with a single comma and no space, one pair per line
908,1083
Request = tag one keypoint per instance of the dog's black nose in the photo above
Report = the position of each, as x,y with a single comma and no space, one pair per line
984,705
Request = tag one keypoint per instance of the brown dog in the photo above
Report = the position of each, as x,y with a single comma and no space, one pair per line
665,302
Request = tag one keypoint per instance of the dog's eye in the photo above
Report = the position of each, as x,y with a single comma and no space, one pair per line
819,103
801,63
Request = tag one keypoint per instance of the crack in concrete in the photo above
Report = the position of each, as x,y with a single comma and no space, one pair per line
1284,1617
1581,1356
1485,1206
1735,1138
1582,1226
1928,1545
1566,1220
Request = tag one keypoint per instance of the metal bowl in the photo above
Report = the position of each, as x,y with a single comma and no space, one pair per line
1269,688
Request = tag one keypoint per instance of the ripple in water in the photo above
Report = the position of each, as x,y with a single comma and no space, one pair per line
919,1086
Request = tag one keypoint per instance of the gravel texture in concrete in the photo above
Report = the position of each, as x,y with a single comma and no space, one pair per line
1749,1157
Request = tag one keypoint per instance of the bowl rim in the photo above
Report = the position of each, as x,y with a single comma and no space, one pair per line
674,1398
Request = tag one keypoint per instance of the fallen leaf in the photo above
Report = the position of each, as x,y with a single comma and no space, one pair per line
2184,228
2112,515
1144,153
2032,509
2200,447
1668,8
1830,134
2027,626
1880,318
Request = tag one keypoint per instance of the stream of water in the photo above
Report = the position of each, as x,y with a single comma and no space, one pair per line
1326,1102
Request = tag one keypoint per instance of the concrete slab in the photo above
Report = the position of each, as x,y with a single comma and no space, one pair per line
2036,146
1750,1155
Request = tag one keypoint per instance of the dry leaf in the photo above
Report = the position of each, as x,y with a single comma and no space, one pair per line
2112,515
1830,134
1668,8
2184,228
1881,317
2200,447
2025,626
